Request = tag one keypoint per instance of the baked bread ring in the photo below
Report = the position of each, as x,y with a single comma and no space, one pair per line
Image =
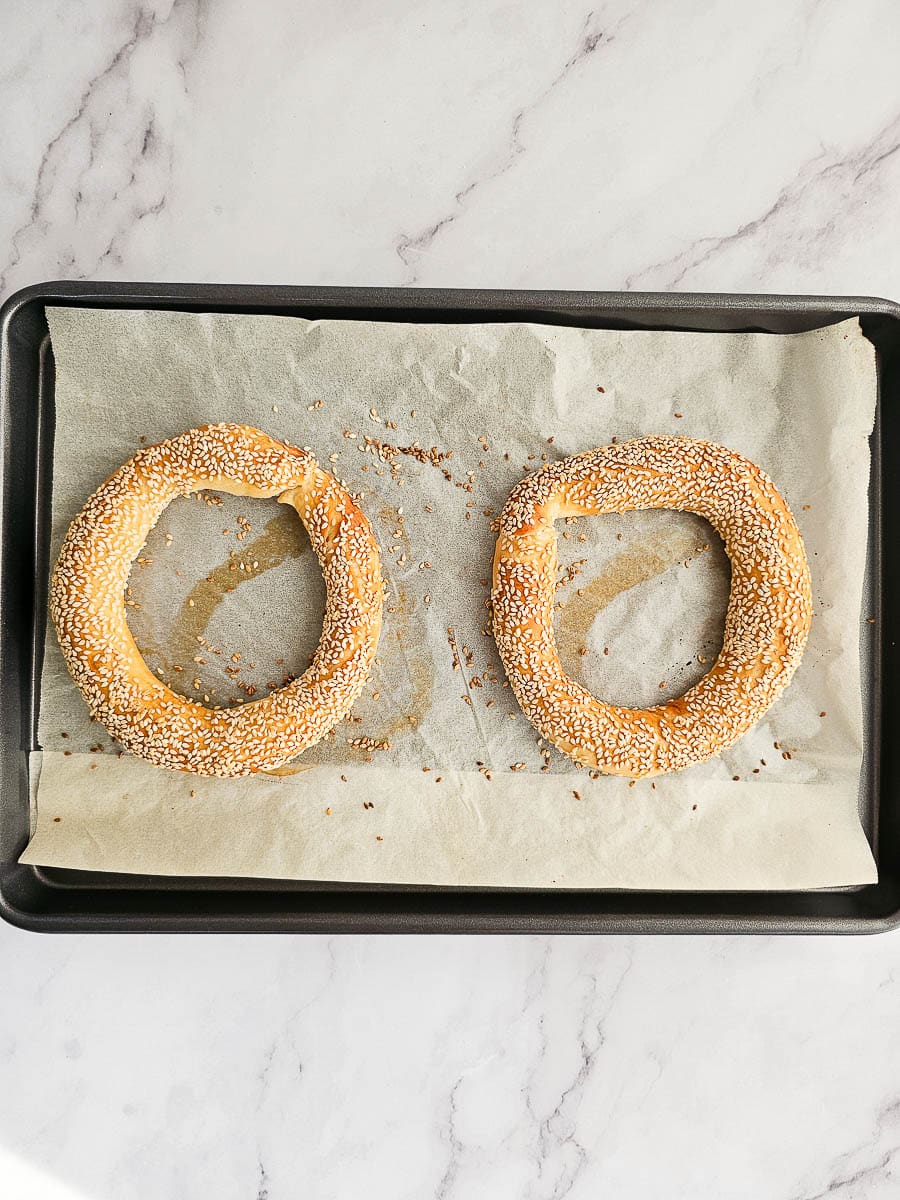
766,625
87,604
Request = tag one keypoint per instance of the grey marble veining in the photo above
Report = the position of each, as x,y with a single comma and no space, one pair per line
624,144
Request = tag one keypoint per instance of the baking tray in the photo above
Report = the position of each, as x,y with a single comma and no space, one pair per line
79,901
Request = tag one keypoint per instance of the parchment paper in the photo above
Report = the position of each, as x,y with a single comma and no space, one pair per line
641,603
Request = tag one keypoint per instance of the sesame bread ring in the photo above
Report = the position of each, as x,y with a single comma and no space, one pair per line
87,604
766,625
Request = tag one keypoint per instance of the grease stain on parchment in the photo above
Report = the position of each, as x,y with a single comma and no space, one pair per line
645,560
399,641
282,538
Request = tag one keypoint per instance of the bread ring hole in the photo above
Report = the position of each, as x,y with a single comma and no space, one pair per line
651,626
227,589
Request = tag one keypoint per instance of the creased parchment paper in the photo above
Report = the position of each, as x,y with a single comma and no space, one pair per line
229,591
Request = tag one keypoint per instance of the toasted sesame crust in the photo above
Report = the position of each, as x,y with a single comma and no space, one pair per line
87,604
766,625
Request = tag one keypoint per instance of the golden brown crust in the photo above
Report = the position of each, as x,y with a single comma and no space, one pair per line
87,604
766,626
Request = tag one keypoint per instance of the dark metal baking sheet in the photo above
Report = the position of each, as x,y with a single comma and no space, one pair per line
77,901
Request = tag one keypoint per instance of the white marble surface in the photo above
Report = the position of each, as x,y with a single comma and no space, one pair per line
690,145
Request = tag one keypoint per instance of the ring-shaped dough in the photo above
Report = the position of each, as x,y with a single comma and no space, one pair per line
766,625
87,604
